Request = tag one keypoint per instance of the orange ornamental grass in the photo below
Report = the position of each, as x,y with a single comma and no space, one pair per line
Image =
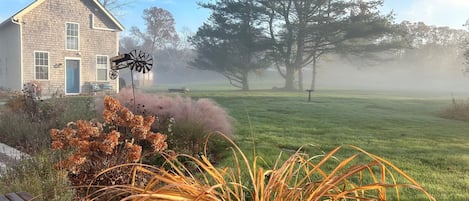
96,146
362,176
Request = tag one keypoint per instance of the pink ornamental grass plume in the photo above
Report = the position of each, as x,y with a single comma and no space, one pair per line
203,112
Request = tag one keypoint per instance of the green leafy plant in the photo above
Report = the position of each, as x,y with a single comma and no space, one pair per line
361,176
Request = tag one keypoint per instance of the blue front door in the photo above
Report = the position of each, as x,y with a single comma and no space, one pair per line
72,77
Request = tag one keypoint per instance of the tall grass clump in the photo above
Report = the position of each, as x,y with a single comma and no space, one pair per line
187,122
360,176
94,146
26,120
456,111
37,176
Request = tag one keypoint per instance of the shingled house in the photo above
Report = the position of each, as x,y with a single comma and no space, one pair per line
63,45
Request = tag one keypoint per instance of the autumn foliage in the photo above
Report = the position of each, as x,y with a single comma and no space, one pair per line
122,138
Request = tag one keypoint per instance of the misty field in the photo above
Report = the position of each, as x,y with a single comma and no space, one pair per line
404,129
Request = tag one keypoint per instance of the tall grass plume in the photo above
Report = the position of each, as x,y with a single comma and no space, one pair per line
361,176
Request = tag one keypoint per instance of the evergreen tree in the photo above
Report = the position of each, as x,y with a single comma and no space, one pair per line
231,42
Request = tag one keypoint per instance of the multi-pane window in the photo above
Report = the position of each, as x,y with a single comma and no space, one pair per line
72,36
101,68
41,65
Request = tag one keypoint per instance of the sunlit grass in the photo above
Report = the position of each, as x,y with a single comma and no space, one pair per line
402,128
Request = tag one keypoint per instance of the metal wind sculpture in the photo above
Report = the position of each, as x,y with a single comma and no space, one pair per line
136,60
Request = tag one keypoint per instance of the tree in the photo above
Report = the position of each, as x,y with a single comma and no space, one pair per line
115,6
304,30
434,48
176,57
231,43
465,47
160,32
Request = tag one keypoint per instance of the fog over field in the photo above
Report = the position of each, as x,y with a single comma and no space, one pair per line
433,75
411,77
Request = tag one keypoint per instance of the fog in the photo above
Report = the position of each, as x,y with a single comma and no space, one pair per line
436,71
409,76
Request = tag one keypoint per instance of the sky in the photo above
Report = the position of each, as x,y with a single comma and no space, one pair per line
188,15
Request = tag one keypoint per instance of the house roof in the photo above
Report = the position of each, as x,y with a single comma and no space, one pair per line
36,3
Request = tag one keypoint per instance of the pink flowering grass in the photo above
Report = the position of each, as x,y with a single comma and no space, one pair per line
204,112
187,122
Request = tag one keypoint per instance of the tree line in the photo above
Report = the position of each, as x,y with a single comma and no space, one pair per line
245,36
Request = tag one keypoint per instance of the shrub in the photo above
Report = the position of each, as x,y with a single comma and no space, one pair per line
37,176
27,103
25,122
96,146
16,130
456,111
362,176
4,93
187,122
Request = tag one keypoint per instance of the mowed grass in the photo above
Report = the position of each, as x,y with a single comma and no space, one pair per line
402,128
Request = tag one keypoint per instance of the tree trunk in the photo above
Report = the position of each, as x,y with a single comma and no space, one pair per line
245,82
290,79
300,79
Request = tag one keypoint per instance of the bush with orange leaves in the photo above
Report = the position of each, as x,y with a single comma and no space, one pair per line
97,146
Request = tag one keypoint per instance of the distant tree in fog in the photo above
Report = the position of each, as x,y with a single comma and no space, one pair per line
231,42
159,33
465,48
170,58
127,44
303,31
419,34
433,47
176,57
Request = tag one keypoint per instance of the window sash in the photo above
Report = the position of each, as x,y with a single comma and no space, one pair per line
101,68
41,65
72,36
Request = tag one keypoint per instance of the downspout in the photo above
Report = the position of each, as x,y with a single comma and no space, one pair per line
16,21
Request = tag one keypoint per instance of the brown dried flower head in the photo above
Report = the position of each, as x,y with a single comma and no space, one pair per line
111,104
158,141
97,146
135,153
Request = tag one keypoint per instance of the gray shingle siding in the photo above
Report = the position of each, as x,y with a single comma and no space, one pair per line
44,29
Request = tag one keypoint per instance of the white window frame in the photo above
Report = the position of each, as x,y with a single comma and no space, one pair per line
77,37
101,67
36,65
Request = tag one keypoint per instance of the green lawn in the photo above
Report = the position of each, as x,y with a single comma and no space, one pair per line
402,128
